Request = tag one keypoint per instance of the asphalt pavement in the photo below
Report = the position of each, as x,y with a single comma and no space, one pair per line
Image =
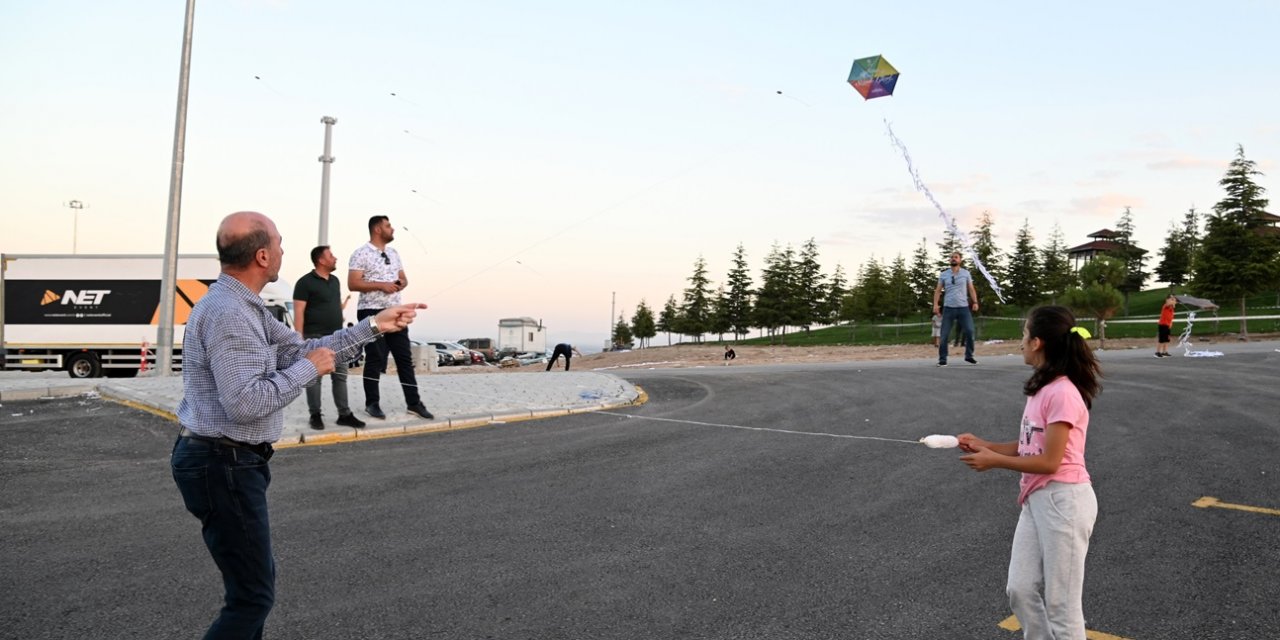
738,502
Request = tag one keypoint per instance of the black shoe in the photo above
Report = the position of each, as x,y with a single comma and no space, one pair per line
421,410
971,361
315,422
350,420
942,363
375,411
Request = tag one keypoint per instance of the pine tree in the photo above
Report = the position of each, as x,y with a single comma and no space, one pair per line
669,319
950,244
1175,256
1022,278
696,309
837,289
984,247
872,297
738,304
1236,257
622,334
642,324
1133,256
900,296
809,286
773,305
1056,275
923,277
720,324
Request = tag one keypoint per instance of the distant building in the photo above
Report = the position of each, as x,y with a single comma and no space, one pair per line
1104,242
521,335
1267,224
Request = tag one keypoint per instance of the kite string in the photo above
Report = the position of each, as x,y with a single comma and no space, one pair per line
737,426
950,221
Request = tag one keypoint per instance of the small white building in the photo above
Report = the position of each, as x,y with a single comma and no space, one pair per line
521,335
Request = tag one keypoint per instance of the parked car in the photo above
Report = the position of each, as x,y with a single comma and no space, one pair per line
459,353
484,345
443,359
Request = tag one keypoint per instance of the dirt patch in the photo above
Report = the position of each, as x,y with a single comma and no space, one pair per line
708,355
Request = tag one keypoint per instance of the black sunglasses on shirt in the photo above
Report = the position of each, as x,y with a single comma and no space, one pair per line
388,261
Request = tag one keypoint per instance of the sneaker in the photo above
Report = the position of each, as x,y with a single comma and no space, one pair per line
971,361
421,410
375,411
350,420
316,422
1159,355
941,363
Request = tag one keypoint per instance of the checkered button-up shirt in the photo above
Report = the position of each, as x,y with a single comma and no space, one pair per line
376,268
241,366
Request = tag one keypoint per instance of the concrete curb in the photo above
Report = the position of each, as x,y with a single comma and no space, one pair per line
40,393
337,435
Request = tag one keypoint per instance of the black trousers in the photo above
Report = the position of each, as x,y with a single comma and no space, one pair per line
375,362
555,355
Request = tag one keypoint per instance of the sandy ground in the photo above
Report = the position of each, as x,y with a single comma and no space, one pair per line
685,356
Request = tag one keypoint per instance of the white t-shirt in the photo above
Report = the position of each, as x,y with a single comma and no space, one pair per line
378,265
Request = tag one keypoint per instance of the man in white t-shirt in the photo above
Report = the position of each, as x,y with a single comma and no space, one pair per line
375,271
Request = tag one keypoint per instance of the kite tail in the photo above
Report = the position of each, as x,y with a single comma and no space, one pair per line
1185,342
942,213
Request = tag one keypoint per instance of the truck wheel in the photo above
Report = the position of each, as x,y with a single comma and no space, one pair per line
84,365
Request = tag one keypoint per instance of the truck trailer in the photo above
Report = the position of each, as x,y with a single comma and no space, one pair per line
95,315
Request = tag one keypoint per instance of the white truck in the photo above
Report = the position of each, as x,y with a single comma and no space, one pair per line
94,315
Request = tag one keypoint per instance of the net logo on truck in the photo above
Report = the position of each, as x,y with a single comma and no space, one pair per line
83,297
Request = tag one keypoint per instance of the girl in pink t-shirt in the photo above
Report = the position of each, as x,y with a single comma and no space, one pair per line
1046,565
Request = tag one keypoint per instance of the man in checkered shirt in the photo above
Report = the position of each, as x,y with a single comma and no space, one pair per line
376,272
240,368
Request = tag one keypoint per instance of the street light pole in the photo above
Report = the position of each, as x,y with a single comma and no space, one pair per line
326,160
75,206
169,277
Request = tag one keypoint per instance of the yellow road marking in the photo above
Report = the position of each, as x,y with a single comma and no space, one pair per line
1011,624
1210,501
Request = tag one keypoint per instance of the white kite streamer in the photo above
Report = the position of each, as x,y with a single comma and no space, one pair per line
1184,342
946,217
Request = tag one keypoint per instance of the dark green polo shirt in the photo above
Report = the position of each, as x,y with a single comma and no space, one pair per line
323,314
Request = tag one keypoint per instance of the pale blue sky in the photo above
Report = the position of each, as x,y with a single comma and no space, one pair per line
605,147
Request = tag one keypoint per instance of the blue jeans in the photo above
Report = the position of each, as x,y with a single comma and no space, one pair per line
951,315
225,487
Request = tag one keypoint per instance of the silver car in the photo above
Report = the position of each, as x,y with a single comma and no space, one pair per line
459,353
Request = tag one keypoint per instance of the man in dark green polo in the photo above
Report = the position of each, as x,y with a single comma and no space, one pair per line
317,312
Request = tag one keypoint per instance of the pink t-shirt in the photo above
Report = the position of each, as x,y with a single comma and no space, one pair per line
1059,401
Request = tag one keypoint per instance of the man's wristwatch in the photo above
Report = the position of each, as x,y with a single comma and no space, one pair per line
373,324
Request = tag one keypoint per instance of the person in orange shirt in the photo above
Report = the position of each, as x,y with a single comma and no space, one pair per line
1166,326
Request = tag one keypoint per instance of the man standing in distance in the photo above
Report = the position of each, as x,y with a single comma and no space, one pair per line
240,368
317,312
376,272
960,298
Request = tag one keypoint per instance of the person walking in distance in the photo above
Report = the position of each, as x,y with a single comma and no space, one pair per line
317,312
563,349
375,271
955,306
240,369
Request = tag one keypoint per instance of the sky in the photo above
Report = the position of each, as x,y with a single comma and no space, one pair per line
547,159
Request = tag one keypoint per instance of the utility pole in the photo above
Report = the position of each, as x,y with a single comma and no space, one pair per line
326,160
75,206
612,306
169,277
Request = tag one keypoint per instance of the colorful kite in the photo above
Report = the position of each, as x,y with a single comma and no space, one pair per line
873,77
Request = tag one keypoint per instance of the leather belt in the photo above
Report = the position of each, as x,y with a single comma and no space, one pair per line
265,450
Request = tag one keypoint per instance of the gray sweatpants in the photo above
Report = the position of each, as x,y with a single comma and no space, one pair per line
1046,567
